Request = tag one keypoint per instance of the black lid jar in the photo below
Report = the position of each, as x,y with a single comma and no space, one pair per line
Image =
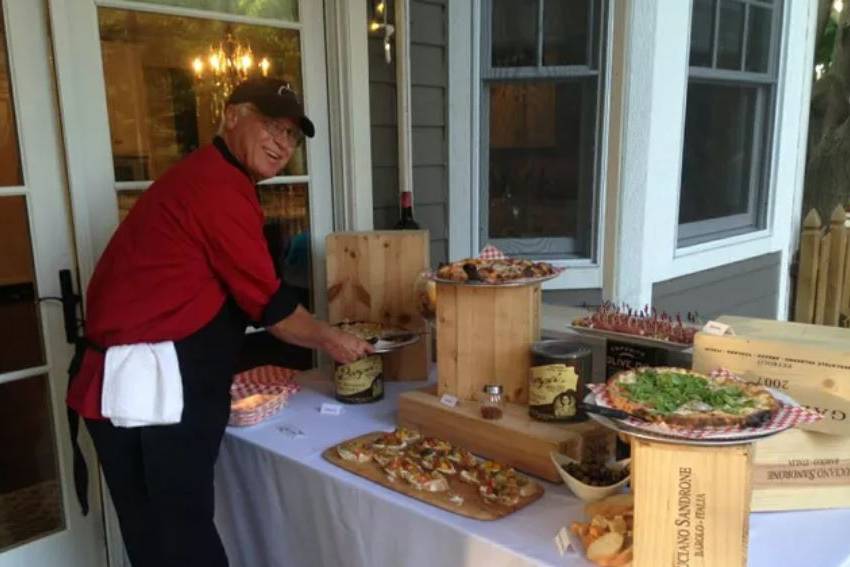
560,369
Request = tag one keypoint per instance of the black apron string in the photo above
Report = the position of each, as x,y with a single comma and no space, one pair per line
81,472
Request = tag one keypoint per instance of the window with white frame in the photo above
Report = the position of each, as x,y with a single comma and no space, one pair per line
730,109
541,103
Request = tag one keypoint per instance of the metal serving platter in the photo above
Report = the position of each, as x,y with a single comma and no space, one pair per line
394,343
626,337
634,431
513,283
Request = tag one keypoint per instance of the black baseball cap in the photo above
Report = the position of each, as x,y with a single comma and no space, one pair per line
274,98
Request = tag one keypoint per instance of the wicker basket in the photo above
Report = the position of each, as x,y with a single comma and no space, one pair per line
272,386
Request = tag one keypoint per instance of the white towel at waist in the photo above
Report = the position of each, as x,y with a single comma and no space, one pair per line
142,385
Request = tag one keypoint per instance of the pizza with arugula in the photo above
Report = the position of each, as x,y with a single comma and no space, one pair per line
681,397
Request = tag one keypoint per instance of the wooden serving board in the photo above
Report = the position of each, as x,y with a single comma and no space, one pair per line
473,505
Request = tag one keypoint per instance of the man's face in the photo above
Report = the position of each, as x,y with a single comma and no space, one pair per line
263,145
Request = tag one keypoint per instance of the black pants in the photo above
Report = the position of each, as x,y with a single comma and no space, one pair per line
161,477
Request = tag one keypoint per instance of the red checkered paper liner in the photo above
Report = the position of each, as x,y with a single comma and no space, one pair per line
273,381
789,415
490,252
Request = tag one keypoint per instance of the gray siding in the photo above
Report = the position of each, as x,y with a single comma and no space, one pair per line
748,288
573,297
429,78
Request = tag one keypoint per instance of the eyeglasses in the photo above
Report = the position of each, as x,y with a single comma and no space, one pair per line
278,131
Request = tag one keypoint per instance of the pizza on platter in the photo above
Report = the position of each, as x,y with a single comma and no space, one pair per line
681,397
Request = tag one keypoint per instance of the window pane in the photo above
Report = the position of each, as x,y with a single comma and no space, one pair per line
730,35
758,48
702,33
567,31
287,212
274,9
719,170
10,159
30,491
160,109
541,179
514,33
21,344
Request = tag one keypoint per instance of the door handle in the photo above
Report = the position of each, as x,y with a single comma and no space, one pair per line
70,300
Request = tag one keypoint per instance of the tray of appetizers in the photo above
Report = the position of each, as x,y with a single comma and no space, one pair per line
436,472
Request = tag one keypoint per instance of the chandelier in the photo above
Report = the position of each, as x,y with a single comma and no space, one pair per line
225,66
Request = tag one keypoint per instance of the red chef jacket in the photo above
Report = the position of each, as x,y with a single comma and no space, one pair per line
194,238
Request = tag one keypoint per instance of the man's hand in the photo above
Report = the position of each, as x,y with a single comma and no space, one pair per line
302,329
344,347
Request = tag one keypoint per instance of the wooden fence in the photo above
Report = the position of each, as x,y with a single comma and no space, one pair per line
823,275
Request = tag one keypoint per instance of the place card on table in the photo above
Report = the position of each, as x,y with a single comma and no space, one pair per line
330,409
449,400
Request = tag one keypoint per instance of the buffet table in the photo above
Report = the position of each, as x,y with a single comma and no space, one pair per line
278,502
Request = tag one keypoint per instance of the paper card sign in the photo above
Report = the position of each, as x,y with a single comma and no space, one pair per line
330,409
717,328
562,541
449,400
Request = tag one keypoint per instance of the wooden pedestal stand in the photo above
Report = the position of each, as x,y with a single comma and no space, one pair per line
484,336
692,504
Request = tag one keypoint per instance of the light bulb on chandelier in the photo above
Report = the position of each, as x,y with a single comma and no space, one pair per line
225,66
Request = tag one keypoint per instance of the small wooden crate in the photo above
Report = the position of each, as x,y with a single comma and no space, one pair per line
516,439
371,276
484,336
809,362
692,504
801,470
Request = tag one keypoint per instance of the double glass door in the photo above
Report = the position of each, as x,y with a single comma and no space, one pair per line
97,99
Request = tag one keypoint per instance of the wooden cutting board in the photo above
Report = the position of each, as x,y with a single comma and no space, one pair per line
473,505
371,276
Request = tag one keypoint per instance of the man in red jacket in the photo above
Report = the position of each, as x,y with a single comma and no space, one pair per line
190,265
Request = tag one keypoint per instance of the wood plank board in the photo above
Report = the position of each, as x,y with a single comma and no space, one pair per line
804,310
371,276
473,506
834,285
516,439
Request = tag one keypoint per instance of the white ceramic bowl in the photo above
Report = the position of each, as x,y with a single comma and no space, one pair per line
584,491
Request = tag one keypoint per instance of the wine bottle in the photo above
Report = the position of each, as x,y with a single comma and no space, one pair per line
406,221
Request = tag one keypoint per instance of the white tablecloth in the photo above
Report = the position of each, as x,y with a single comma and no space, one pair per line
279,503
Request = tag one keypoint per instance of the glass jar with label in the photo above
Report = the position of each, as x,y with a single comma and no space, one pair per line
360,382
556,382
491,402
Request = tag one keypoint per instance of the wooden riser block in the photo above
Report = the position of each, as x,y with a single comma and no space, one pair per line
692,504
371,276
516,439
801,470
484,336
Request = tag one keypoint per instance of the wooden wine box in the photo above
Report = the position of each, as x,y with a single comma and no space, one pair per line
811,363
692,504
801,470
484,336
371,276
